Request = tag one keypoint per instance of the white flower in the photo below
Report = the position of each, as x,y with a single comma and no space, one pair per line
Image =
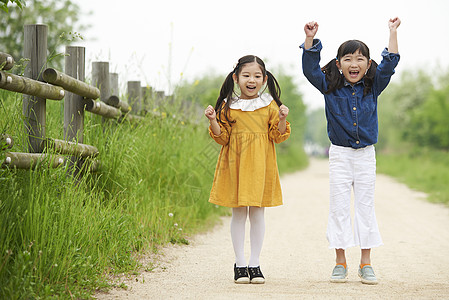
170,215
176,224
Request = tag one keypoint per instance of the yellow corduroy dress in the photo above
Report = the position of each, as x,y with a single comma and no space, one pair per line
246,173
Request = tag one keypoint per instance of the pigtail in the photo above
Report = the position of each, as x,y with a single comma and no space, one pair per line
336,80
227,88
369,78
274,88
333,76
226,92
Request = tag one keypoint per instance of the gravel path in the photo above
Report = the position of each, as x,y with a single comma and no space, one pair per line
295,259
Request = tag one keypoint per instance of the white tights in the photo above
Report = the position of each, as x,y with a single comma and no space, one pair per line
257,231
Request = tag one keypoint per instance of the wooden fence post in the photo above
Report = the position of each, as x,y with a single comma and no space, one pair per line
101,79
145,99
115,91
135,96
34,109
73,105
160,95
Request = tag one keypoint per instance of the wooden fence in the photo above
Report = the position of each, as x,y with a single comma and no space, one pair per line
40,84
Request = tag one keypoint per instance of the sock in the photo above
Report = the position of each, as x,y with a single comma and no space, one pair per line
362,265
342,264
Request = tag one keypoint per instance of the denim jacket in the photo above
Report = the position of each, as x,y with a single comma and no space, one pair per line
351,117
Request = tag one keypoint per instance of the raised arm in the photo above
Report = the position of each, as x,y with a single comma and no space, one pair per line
393,24
310,29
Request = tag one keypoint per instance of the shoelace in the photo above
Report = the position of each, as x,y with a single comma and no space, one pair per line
255,272
241,272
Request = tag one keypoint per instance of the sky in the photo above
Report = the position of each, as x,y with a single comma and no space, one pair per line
162,43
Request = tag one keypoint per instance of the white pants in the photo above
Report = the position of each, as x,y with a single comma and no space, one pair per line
352,168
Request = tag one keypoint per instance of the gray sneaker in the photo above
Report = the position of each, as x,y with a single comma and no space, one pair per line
367,275
339,274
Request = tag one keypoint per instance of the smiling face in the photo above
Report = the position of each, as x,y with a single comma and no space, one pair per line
250,80
354,66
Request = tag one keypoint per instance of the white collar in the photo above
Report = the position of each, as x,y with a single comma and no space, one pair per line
251,104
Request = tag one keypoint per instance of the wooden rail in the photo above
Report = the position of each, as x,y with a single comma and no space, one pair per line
30,87
38,86
6,61
6,141
31,160
70,148
102,109
117,103
71,84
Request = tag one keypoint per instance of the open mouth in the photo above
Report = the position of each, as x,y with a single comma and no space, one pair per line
251,88
353,73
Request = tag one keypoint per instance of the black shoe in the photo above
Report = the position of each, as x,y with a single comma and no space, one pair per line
255,275
241,274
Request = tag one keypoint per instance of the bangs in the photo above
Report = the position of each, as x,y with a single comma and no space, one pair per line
351,46
250,59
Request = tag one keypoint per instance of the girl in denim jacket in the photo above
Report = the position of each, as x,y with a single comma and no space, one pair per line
351,84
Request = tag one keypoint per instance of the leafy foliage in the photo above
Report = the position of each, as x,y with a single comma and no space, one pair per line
4,4
414,112
414,133
429,125
61,17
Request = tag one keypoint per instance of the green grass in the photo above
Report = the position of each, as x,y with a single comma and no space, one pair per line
63,238
421,169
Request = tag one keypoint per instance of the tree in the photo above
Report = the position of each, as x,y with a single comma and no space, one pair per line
413,112
4,4
61,17
429,125
396,105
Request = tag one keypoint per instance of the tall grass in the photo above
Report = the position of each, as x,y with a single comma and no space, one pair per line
61,237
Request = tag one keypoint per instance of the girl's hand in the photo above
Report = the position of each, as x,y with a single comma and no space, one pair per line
283,112
210,113
393,24
311,29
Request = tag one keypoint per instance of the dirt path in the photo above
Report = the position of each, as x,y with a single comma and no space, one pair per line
295,259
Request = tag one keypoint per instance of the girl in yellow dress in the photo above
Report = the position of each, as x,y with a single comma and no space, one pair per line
247,124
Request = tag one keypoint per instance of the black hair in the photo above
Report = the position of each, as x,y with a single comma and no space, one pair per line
335,79
227,89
